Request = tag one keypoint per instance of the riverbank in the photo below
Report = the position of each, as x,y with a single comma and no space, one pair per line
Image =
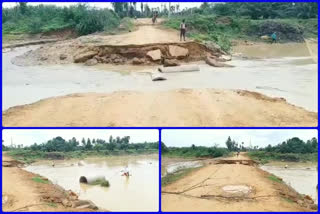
266,157
26,191
237,186
28,156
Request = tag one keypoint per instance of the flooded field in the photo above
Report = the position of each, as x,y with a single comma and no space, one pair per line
302,177
139,192
288,72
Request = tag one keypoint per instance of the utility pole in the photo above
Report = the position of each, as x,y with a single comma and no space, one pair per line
169,13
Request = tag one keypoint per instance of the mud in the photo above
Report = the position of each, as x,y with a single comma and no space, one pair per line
114,54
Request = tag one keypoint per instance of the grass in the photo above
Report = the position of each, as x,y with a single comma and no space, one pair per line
288,200
172,177
210,28
40,180
51,204
101,182
266,157
275,179
28,156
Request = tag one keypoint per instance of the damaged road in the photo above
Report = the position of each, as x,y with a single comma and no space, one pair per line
234,186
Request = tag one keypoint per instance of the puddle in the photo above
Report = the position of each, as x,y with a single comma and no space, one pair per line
139,192
289,75
302,177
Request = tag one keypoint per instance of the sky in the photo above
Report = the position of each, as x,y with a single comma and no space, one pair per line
108,4
28,137
207,137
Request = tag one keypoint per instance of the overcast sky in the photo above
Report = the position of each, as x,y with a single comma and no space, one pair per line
29,136
209,137
108,4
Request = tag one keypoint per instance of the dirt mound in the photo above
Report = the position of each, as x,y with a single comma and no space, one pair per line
12,163
69,52
187,107
285,32
244,162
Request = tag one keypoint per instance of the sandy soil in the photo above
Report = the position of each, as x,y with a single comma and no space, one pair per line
202,190
21,193
146,33
183,107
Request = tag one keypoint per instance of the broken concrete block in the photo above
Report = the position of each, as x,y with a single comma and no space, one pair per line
84,56
154,55
178,52
91,62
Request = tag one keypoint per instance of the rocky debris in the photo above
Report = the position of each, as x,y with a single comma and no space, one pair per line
214,48
170,62
84,204
154,55
43,58
178,52
157,76
226,57
213,62
66,203
63,56
84,56
4,199
91,62
137,61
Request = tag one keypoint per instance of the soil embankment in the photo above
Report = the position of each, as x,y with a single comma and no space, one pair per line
235,184
25,191
183,107
146,45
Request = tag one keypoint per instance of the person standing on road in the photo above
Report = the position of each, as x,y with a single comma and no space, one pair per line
183,30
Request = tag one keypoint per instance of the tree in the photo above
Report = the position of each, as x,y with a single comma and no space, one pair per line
23,7
229,144
164,148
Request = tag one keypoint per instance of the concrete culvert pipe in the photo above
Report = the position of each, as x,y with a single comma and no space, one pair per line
91,179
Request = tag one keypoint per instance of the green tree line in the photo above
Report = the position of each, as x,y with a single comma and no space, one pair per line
262,10
194,151
82,18
58,144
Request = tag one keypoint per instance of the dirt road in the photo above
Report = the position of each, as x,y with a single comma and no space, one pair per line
183,107
231,187
21,193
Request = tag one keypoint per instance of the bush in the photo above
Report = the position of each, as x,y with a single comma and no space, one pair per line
38,19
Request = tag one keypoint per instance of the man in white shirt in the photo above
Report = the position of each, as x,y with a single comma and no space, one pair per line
183,30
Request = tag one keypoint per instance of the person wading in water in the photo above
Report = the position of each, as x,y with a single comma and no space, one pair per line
183,30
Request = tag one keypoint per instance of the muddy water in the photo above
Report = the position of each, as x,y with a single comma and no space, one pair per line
139,192
281,73
302,177
174,167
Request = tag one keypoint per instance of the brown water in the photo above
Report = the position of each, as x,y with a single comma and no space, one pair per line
139,192
302,177
281,70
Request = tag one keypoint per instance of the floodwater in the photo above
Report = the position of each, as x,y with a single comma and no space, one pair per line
174,167
286,71
139,192
302,177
